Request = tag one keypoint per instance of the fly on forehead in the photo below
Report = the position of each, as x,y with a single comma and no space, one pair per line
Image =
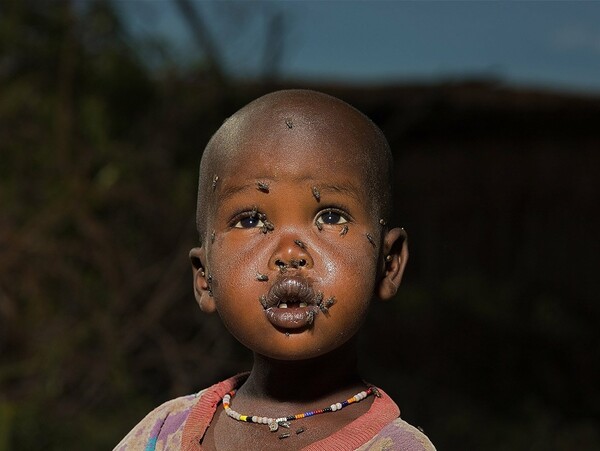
262,186
316,193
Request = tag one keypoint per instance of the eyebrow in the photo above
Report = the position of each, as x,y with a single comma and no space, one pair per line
228,191
342,189
231,190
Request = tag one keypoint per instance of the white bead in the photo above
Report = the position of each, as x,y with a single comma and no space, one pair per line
274,423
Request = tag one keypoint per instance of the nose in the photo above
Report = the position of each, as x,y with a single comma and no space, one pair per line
290,253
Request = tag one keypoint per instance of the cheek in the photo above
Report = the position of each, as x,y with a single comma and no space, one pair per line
349,275
237,261
348,264
234,266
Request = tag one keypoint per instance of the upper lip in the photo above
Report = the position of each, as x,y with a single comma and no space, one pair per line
291,289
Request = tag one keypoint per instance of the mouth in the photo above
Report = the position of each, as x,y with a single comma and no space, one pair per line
291,302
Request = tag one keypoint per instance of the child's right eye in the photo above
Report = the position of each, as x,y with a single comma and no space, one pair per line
249,220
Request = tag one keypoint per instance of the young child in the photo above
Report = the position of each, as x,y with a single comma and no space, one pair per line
293,202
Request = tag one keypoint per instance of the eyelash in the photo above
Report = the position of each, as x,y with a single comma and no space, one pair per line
246,213
255,213
338,211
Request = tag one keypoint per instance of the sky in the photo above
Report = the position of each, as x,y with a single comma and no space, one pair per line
543,44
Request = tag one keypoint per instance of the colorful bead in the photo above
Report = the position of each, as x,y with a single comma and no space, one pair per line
275,423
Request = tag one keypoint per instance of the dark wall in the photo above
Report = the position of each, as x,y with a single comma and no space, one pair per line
497,324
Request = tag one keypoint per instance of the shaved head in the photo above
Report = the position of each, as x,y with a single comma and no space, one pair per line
313,121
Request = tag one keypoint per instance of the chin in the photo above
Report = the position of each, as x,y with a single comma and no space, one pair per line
293,356
294,348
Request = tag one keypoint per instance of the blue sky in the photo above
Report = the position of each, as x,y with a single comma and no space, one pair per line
542,44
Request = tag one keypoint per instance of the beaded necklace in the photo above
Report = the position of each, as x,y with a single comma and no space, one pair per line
274,423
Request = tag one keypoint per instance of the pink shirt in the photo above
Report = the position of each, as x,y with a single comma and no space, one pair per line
180,424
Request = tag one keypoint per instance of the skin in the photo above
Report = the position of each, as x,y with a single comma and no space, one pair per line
334,147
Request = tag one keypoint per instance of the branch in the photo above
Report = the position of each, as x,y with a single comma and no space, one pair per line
204,40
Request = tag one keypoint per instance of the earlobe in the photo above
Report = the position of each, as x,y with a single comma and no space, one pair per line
395,254
201,287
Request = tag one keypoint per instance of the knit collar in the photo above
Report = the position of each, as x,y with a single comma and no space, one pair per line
355,434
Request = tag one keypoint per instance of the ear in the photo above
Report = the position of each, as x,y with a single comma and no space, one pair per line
395,256
201,288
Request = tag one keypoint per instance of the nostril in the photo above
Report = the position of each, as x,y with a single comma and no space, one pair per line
280,264
297,263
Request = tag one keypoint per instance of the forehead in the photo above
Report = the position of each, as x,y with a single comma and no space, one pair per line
297,138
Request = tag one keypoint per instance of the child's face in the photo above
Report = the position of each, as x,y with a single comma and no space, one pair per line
328,242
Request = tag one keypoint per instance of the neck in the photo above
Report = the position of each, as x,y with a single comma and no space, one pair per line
303,380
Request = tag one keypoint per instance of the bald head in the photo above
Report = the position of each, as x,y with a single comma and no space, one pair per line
285,126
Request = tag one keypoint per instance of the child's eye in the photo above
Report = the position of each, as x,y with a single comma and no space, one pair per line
248,220
332,217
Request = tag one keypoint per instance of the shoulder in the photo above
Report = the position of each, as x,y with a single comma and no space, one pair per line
399,435
164,424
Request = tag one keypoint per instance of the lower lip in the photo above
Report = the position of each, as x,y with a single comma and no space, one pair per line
291,317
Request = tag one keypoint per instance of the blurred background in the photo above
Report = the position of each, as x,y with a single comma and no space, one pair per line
492,111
